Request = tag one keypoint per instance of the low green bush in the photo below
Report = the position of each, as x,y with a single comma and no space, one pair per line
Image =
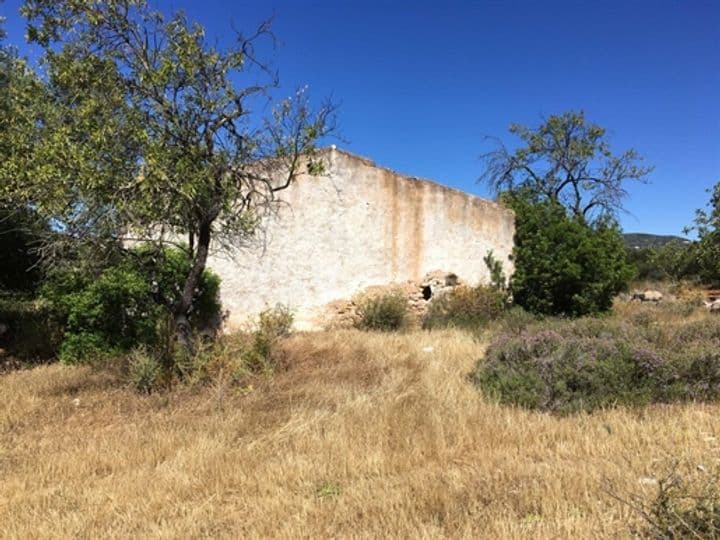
570,366
387,313
110,314
126,305
465,307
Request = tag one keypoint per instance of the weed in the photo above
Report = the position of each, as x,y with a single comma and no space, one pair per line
465,307
685,505
273,325
144,370
387,313
328,490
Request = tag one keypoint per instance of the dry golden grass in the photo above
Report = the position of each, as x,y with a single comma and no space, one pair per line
356,435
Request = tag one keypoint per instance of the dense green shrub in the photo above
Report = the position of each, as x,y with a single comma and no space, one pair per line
644,267
110,314
563,265
386,312
166,271
546,371
126,305
29,330
570,366
674,261
465,307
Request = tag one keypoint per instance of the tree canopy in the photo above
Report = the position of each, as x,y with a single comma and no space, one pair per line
568,160
707,249
145,130
566,187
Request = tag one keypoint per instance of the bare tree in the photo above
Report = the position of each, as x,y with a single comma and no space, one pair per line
567,160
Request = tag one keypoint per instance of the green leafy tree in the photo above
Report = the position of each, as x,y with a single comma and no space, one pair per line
566,187
147,132
641,259
562,265
707,227
675,260
21,94
21,229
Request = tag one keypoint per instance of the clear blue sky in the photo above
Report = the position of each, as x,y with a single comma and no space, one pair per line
421,83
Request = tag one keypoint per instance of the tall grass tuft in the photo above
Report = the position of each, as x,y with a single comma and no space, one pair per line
465,307
386,313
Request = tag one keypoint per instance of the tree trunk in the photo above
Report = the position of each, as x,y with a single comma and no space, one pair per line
181,310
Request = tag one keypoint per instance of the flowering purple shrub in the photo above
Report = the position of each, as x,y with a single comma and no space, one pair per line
704,330
570,366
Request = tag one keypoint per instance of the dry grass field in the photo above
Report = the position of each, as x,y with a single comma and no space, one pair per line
356,435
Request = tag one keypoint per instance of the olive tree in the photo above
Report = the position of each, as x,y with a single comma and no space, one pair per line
151,132
21,93
707,247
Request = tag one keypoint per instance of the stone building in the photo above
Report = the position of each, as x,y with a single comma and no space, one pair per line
360,225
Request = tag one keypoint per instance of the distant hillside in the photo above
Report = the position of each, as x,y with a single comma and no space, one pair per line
644,240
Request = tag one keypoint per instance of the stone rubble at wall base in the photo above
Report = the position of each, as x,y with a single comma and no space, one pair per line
342,313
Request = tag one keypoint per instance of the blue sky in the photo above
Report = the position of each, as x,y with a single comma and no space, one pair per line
422,83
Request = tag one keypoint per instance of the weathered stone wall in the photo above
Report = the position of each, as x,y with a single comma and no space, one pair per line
361,225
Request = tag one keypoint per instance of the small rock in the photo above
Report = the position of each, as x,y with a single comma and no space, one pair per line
648,481
76,402
648,296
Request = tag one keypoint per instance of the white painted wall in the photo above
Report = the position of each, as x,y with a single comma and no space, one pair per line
361,225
